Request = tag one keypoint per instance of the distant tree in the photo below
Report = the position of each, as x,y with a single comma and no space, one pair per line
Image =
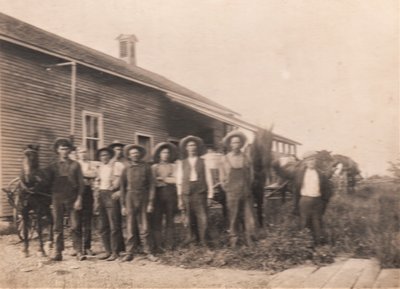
395,169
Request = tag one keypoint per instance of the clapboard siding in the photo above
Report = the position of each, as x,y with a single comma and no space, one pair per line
30,106
35,108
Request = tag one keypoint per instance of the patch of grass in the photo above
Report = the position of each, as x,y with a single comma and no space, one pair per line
279,247
364,225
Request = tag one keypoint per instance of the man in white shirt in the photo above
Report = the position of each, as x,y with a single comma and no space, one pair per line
312,191
108,194
194,184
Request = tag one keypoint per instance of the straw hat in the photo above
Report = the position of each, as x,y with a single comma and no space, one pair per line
199,142
141,149
236,133
162,145
309,154
116,143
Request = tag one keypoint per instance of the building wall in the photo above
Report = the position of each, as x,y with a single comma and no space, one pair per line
36,102
183,121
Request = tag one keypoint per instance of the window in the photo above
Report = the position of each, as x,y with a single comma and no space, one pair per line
92,128
145,141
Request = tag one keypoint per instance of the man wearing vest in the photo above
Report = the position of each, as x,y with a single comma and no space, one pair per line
137,195
107,190
194,185
237,176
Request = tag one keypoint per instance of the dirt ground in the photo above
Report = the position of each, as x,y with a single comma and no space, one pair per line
34,271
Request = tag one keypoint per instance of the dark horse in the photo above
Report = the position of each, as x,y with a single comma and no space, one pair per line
33,196
260,153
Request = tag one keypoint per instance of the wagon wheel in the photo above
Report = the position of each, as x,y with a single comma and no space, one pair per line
31,226
12,196
12,191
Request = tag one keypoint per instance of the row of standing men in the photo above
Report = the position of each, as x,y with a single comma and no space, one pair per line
122,184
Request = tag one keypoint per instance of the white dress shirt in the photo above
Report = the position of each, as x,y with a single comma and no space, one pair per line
310,187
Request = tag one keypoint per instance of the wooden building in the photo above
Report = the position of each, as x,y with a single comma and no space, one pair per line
52,87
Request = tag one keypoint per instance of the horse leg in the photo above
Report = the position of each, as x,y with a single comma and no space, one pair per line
260,203
50,225
39,231
25,230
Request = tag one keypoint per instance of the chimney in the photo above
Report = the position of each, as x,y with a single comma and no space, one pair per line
127,51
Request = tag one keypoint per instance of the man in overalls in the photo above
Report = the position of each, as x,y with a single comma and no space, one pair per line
137,192
236,174
194,185
67,188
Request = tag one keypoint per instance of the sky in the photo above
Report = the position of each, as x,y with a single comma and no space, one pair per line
324,73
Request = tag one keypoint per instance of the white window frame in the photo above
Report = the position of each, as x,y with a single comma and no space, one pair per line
100,128
137,134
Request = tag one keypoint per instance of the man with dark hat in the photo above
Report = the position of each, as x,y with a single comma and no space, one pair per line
165,199
194,185
67,185
107,193
117,147
237,175
137,195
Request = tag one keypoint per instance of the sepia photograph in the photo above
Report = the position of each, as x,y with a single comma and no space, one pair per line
199,144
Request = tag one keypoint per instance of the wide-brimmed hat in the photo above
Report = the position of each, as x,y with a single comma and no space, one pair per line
64,142
107,149
116,143
236,133
32,148
141,149
310,154
165,145
199,142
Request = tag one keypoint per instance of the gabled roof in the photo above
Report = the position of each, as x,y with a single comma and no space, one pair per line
12,29
24,32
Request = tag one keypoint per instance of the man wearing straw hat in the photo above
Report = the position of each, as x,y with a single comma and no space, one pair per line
194,185
107,188
67,185
165,199
237,175
137,194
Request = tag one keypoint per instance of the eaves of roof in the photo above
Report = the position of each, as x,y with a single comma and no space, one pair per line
24,33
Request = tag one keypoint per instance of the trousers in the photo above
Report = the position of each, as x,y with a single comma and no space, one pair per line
137,223
86,214
240,206
110,222
165,204
311,212
196,213
61,205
